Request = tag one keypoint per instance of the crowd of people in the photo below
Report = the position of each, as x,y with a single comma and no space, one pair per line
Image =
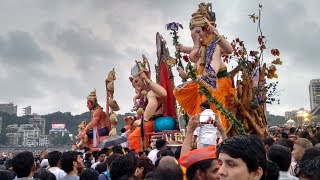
288,153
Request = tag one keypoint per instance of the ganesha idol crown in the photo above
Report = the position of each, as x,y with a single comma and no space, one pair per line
204,11
141,66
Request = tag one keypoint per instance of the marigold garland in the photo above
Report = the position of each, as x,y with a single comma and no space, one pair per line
204,91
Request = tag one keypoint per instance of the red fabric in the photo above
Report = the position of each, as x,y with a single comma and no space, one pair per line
168,103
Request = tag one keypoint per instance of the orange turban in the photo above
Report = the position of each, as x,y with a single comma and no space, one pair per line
198,155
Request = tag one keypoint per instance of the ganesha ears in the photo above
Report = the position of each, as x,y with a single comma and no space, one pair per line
131,79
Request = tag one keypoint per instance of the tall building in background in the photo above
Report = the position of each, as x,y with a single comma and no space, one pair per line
314,93
9,108
38,122
0,124
27,110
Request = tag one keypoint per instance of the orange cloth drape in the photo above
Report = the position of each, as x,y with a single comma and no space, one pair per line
135,136
190,99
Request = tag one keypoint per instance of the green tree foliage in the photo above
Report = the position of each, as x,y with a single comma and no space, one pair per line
71,121
276,120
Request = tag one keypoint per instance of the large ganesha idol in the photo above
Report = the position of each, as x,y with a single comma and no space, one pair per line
211,71
149,106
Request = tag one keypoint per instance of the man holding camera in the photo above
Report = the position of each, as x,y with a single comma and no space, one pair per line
210,130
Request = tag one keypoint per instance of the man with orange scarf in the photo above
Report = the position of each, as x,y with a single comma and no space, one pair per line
152,106
211,71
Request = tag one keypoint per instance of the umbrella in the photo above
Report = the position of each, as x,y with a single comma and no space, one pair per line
112,141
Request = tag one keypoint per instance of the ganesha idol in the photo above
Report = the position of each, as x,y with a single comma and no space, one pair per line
149,98
211,71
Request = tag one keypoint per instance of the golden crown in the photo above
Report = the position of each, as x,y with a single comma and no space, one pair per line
92,96
204,11
141,66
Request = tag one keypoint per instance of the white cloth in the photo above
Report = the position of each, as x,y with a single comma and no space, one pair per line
95,136
207,133
44,163
153,155
292,168
94,165
59,173
286,176
125,134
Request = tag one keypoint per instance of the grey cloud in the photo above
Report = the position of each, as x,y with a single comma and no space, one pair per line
19,49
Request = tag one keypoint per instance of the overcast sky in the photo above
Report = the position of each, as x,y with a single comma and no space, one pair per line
54,52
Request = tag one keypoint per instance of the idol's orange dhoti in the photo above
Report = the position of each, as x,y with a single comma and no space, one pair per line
135,136
190,99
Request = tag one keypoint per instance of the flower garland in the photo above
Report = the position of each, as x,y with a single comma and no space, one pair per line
204,91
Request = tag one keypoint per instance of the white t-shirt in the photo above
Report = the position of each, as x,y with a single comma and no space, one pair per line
153,155
125,134
59,173
93,166
207,133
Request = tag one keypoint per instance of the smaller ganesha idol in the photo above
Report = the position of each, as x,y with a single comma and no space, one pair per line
148,100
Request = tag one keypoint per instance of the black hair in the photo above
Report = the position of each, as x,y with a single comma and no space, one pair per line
272,171
304,134
146,152
127,177
54,158
141,153
249,148
202,165
165,152
170,171
317,137
292,130
127,150
5,174
281,143
87,156
44,174
160,143
309,169
289,142
117,149
67,159
310,154
123,130
284,135
122,165
147,165
110,158
100,153
22,164
89,173
205,105
268,141
280,155
86,149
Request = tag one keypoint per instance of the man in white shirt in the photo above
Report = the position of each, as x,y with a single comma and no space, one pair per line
160,145
101,156
282,157
207,133
54,163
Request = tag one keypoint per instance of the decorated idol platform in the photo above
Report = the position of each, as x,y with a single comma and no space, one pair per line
237,96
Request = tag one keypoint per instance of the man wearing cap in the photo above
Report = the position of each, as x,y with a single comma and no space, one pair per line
200,163
160,145
97,126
